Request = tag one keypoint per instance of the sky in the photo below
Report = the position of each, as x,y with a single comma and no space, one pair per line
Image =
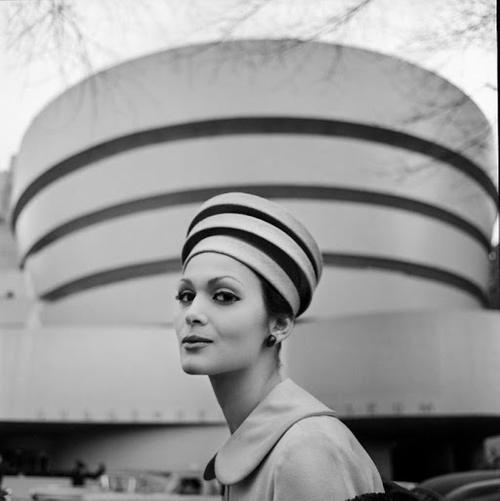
31,74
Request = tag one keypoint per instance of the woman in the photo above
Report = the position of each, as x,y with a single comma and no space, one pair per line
250,269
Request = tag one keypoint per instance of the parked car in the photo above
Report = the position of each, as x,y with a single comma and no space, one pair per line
483,490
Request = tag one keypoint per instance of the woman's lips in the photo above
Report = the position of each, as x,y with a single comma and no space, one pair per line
194,342
195,339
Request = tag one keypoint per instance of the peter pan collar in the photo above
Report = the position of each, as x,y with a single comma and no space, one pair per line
286,404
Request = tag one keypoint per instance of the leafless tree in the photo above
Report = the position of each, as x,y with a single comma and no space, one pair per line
59,31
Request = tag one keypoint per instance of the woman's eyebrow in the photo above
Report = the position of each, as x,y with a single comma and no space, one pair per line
214,280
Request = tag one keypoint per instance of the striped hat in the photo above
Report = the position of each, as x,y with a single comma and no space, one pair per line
262,235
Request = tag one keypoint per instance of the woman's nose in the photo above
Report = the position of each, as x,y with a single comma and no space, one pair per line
194,316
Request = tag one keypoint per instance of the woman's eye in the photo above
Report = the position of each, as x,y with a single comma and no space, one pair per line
225,297
185,297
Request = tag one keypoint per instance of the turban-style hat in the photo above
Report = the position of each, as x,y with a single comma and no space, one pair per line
263,236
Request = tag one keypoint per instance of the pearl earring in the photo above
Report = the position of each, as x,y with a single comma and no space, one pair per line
271,340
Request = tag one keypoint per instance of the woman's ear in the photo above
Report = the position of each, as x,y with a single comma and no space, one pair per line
281,326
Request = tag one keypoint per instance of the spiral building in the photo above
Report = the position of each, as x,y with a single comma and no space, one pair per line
390,166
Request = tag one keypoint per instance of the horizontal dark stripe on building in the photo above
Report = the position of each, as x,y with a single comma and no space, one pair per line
297,192
163,266
254,125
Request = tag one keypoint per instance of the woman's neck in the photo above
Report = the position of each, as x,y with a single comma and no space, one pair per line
238,393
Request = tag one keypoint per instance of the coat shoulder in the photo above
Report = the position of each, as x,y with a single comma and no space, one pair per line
323,452
318,433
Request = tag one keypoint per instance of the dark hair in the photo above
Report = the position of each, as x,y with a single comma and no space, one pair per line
275,303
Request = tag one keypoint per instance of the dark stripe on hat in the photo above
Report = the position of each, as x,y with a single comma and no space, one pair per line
263,216
153,268
284,261
254,125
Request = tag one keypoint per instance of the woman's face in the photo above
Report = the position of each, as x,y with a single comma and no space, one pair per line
222,322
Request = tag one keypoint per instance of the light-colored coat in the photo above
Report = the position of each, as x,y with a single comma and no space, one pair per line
292,448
